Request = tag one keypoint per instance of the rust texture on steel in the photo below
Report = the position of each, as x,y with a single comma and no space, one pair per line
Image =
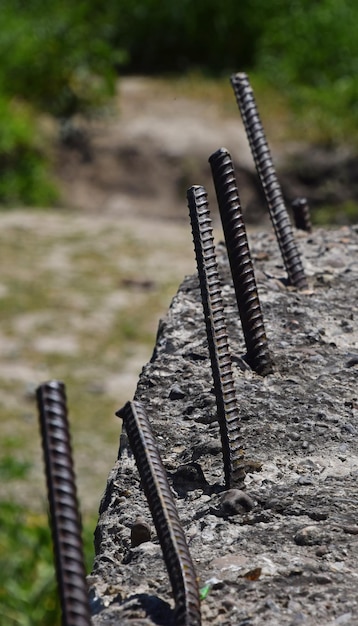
302,214
258,356
266,171
210,286
62,495
165,516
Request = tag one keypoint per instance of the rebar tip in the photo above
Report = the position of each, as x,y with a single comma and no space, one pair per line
238,76
217,154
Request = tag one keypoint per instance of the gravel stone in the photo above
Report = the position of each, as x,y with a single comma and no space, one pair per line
234,502
310,536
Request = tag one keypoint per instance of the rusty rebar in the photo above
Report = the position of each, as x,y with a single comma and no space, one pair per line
302,214
64,512
258,356
267,174
165,517
210,286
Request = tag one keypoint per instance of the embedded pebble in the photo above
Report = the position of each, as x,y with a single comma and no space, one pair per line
310,536
176,393
189,477
235,502
351,530
140,532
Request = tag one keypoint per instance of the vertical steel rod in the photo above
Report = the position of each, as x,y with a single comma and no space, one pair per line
165,517
65,517
266,171
226,401
258,356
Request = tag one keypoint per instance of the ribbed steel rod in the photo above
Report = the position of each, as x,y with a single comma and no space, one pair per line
165,517
266,171
226,401
62,496
301,214
258,356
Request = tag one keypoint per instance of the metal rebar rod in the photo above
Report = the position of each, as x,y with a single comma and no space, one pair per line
64,511
267,174
301,214
226,400
165,516
258,356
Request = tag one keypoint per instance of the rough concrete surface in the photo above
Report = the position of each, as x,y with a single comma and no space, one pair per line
289,557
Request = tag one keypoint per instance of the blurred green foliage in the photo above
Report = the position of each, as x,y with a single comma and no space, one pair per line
28,590
24,169
62,58
27,583
161,36
56,58
311,43
310,52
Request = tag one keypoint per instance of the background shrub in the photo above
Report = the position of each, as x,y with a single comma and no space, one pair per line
56,58
63,58
24,165
28,589
311,53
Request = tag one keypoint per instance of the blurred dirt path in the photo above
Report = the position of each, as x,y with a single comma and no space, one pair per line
141,160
